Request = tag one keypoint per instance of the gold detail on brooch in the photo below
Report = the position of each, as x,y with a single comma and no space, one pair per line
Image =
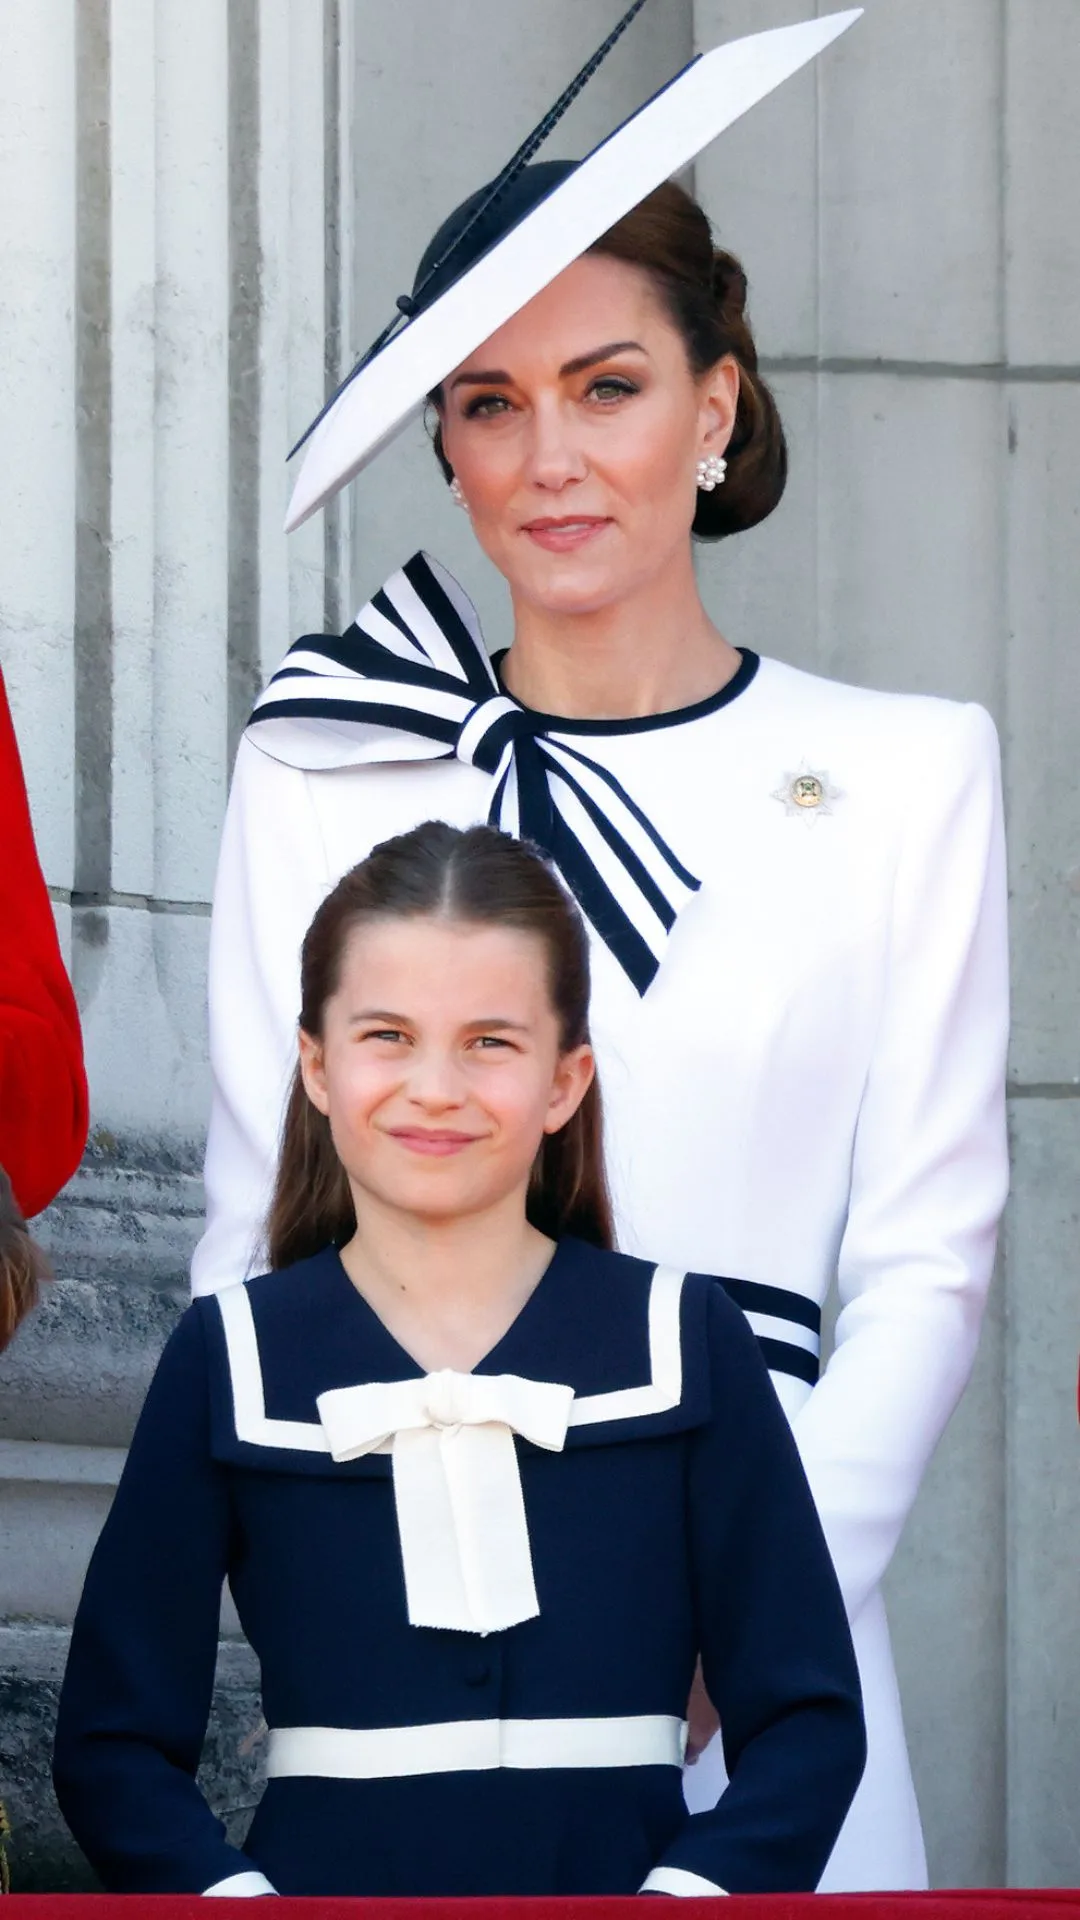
807,794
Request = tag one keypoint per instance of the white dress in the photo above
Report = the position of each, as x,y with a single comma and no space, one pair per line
810,1091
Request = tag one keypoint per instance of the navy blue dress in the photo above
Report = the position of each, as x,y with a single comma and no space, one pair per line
541,1759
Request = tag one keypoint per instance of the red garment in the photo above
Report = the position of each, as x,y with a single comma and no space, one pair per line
44,1111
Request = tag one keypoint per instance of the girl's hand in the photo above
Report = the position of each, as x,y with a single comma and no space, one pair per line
702,1719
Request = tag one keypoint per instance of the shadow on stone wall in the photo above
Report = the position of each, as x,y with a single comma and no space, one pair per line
71,1386
42,1855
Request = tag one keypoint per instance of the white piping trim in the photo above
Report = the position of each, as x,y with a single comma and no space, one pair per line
249,1406
677,1880
664,1390
243,1886
769,1326
475,1746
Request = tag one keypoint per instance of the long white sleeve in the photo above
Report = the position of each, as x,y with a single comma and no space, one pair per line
271,876
929,1172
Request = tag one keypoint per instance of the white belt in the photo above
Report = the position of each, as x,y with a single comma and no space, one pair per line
474,1746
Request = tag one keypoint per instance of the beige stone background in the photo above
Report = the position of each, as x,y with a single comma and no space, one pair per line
206,209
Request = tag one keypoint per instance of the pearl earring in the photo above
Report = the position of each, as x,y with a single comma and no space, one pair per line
456,494
710,472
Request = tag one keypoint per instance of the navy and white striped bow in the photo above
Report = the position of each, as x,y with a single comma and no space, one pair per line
411,680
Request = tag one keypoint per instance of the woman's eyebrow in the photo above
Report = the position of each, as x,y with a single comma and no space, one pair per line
497,376
586,360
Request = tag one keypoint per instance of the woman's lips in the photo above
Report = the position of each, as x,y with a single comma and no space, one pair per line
439,1142
563,536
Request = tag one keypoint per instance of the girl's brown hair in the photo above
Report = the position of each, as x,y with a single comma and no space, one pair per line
476,877
703,290
23,1265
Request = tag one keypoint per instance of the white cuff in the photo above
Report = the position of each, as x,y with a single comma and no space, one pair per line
239,1886
677,1880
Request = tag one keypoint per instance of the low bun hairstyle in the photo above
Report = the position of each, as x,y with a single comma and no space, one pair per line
703,290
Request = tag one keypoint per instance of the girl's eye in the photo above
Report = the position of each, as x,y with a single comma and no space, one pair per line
384,1033
485,1041
486,404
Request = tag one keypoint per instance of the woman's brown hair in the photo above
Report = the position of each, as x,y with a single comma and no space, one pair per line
23,1265
703,290
475,877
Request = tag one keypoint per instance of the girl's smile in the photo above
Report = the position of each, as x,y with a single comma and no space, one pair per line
434,1140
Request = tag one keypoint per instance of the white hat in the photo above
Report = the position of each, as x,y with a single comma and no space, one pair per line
510,240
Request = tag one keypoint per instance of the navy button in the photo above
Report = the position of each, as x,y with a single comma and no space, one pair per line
477,1671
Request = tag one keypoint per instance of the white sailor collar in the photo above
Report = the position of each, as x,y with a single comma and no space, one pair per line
627,1337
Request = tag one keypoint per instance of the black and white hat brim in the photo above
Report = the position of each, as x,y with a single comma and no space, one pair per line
660,139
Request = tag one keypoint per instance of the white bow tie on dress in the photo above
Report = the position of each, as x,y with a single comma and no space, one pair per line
457,1485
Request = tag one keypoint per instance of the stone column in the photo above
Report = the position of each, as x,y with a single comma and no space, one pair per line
1041,540
905,213
177,216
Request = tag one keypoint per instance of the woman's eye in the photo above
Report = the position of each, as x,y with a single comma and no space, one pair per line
612,386
485,405
485,1041
384,1033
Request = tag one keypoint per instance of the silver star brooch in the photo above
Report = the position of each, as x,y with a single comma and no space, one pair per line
807,794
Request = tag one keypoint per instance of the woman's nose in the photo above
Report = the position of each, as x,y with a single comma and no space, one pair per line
556,458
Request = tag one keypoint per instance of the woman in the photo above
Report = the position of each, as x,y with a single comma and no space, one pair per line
480,1485
796,888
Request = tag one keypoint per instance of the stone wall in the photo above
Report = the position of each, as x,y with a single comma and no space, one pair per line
215,208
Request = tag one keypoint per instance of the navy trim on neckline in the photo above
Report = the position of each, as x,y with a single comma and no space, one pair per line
644,723
549,1281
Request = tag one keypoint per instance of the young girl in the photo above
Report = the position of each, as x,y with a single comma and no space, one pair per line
481,1487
